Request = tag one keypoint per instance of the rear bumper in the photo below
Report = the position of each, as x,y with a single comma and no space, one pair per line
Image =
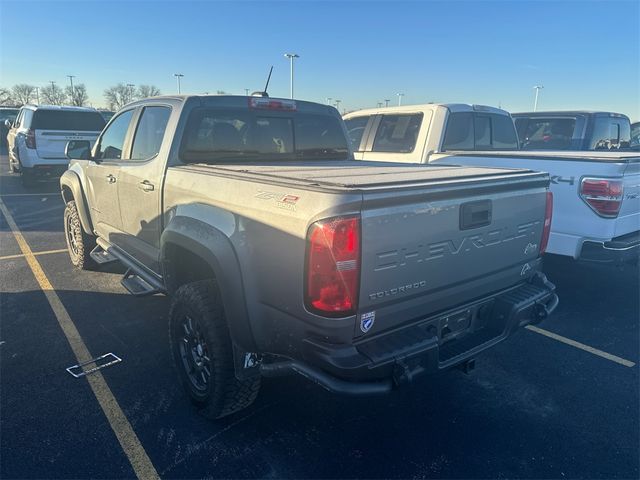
377,364
625,248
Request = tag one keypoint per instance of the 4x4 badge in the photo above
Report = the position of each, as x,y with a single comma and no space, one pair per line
366,321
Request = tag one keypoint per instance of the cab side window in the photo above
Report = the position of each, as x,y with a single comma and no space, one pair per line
113,138
150,132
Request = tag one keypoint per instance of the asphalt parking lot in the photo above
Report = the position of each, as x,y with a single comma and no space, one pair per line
536,406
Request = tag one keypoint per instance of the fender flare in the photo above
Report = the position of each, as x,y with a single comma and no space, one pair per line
213,247
71,181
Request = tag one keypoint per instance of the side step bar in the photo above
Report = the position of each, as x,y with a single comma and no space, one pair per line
136,280
137,285
101,256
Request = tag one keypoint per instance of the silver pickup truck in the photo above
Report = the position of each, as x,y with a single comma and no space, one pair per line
282,254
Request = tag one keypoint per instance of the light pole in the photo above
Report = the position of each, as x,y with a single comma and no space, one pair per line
130,85
386,102
291,56
400,95
178,77
537,88
71,77
246,92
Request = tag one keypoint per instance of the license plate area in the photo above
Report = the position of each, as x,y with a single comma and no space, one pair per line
455,324
458,324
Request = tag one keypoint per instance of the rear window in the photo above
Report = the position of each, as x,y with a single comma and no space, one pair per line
7,114
546,133
610,133
227,135
68,120
479,131
397,133
355,130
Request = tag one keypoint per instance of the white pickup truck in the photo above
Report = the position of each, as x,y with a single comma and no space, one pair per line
596,214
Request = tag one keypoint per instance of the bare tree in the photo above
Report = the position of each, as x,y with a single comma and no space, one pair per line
78,96
53,94
146,91
6,98
118,96
22,93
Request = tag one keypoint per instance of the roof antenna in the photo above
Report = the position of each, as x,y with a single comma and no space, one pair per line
264,92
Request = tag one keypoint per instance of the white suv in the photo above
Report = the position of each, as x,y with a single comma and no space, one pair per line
37,138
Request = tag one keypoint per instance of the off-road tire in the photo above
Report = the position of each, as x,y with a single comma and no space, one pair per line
223,394
84,243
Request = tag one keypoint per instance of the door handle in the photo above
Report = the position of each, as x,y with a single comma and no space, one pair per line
146,185
111,179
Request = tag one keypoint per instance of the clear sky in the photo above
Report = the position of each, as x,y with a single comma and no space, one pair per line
586,54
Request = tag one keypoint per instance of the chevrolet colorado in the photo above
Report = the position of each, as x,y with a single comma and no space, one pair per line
596,214
282,254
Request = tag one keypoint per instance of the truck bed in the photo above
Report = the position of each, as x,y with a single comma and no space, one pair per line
362,175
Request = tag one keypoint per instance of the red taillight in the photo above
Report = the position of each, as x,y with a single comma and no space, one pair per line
30,139
546,228
333,266
603,195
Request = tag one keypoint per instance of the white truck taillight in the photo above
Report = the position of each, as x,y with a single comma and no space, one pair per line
546,228
333,267
30,139
603,195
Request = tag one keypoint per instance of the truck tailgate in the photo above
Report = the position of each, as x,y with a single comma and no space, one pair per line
427,248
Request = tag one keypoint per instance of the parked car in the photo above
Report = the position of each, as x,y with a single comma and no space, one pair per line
282,254
37,138
6,114
596,194
573,130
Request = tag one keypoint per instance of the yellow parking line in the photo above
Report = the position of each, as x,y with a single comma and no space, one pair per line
35,254
128,439
581,346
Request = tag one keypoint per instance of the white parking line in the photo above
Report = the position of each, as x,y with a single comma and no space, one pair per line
581,346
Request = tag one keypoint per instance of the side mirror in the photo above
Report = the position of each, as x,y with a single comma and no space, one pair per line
7,123
80,149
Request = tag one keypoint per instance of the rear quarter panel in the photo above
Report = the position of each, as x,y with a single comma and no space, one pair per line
268,236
